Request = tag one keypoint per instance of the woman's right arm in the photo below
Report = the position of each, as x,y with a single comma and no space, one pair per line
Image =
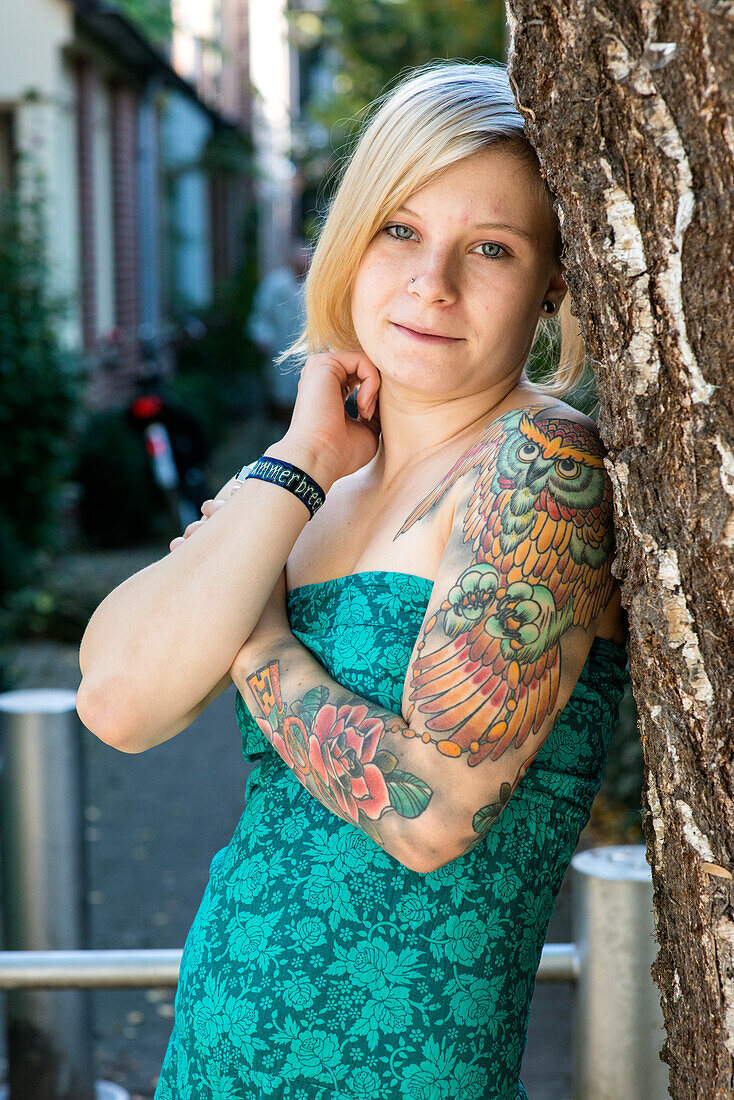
160,646
162,642
208,508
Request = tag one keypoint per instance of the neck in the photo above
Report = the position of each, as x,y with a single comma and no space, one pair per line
415,428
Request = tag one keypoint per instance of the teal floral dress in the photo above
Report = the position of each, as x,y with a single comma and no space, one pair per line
320,968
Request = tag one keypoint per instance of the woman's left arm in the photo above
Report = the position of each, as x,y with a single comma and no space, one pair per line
522,581
345,750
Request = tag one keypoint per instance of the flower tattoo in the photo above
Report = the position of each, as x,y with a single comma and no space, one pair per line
337,748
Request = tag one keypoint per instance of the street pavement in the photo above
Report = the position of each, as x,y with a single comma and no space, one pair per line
153,821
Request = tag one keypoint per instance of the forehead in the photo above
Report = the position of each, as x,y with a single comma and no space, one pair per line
491,185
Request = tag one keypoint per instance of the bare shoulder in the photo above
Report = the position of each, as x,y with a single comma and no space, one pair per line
532,487
541,417
572,438
546,425
543,410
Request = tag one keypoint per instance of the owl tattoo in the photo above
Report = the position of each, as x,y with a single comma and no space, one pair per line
539,529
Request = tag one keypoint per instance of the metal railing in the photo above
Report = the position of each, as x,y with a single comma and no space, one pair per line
129,969
618,1024
147,968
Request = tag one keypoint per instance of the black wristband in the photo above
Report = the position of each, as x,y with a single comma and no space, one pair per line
288,476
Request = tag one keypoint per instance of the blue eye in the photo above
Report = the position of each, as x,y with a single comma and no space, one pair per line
492,256
397,235
401,232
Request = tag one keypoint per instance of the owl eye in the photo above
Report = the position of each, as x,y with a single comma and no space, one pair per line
567,467
526,452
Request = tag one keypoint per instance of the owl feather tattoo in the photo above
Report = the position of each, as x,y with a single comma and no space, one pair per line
539,528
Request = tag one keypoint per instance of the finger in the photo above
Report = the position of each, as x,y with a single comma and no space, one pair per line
367,379
189,530
373,423
366,397
351,367
362,398
369,389
368,375
365,393
176,542
368,403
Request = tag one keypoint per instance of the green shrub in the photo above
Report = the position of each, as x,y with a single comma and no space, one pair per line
624,773
40,388
119,503
543,362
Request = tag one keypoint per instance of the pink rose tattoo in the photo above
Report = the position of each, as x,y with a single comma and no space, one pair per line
337,748
342,749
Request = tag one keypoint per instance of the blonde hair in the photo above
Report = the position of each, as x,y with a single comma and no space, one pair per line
437,115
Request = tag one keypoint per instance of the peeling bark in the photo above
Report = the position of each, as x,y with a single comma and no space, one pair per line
631,110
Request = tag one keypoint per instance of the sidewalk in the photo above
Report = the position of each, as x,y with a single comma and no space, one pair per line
154,821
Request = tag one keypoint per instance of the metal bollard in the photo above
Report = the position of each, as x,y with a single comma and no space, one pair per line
619,1030
43,889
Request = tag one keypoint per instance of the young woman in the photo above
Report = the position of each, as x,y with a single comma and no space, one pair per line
428,673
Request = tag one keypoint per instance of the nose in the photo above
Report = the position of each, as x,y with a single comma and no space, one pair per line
434,278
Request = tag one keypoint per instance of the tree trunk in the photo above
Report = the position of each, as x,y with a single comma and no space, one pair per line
630,109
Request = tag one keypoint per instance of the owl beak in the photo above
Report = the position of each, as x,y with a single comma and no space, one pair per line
536,473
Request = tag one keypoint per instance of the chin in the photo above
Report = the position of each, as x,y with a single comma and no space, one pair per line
422,375
427,367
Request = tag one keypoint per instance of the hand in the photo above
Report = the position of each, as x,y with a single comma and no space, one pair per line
320,422
208,508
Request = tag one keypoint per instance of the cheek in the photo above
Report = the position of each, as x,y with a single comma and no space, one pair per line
499,311
368,294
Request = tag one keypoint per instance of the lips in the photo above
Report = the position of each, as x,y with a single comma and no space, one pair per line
423,334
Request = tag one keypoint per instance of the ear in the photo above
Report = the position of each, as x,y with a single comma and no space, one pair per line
556,290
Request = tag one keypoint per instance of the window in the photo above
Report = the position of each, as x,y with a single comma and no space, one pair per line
7,152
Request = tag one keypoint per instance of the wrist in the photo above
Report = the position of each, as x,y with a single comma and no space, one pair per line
308,458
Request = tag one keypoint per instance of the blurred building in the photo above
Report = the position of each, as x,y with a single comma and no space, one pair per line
286,65
210,49
273,66
144,206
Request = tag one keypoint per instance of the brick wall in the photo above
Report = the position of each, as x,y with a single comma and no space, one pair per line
125,211
85,89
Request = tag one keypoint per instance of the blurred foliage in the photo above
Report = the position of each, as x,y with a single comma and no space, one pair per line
120,503
376,40
151,17
214,359
356,51
543,363
214,370
228,152
59,607
621,790
40,385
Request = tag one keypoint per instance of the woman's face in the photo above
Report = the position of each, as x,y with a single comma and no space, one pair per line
477,286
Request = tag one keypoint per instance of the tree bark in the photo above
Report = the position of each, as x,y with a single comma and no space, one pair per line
629,107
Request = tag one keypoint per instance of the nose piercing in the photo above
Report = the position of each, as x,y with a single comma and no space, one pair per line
412,279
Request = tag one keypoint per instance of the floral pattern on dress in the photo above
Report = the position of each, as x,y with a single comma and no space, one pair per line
318,967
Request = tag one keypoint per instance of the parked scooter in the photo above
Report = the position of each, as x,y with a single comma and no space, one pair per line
175,442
